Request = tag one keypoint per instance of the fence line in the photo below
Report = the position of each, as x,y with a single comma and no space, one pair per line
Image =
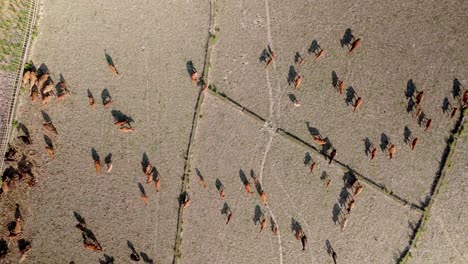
16,80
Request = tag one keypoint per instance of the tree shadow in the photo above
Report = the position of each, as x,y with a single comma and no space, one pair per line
108,158
384,142
109,59
18,212
349,179
297,57
291,74
307,158
328,246
295,225
145,258
144,162
410,89
326,147
46,117
23,244
134,255
292,97
243,177
350,95
226,209
347,38
314,46
190,68
257,214
95,154
42,69
107,260
445,105
407,134
410,106
23,128
367,146
334,79
119,116
421,118
456,90
105,96
79,218
90,95
48,141
184,196
312,130
219,185
264,56
3,248
142,189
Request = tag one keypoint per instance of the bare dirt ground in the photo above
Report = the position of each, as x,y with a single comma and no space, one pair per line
404,46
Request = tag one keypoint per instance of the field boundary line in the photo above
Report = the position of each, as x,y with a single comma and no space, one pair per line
204,82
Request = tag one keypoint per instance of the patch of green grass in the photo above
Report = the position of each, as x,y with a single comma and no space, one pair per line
29,65
15,124
22,90
213,39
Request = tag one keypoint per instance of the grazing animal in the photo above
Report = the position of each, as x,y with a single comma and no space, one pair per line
351,205
44,77
32,78
413,143
114,70
109,167
262,225
358,190
419,97
263,197
454,111
332,156
91,102
391,151
419,113
24,253
194,76
26,77
221,193
304,242
148,169
186,203
319,140
49,127
312,167
229,218
354,45
373,153
34,96
298,233
357,103
297,82
97,166
202,183
126,129
328,182
465,98
340,87
149,178
92,247
268,63
344,223
319,54
157,184
107,103
144,198
50,151
428,124
247,188
301,61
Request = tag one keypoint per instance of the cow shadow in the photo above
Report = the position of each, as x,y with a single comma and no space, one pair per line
307,158
347,38
367,146
291,74
410,89
350,95
456,90
258,213
95,154
445,105
334,79
384,141
407,135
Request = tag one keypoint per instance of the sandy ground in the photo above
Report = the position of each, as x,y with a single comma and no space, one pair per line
400,41
150,48
445,237
151,43
377,224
